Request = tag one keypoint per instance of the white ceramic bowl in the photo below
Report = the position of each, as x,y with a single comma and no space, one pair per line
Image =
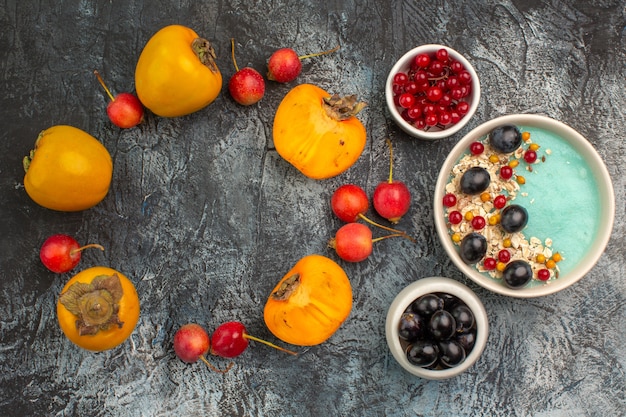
434,285
433,133
606,200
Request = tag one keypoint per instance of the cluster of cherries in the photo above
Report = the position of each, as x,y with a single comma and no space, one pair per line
434,91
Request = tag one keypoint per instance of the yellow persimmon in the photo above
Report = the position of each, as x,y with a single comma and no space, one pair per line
310,302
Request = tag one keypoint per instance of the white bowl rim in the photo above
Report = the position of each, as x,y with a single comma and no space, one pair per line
433,285
605,187
439,134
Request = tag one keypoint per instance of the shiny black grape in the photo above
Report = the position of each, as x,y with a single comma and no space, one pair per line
505,139
513,218
517,274
423,353
427,304
475,180
463,317
466,340
442,325
473,248
411,327
451,353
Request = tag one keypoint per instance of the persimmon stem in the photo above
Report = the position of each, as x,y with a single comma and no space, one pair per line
256,339
330,51
390,160
91,245
388,236
390,229
232,53
101,81
213,368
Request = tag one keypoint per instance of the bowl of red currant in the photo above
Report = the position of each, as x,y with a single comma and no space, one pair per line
436,328
432,92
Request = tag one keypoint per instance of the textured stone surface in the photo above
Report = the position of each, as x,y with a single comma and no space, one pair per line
205,217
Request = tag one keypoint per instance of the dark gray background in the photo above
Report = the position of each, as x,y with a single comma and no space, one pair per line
205,218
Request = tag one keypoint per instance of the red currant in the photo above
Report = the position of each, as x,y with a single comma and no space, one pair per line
490,264
414,112
431,119
422,60
476,148
462,107
456,67
499,202
530,156
406,100
456,117
420,77
400,78
435,68
465,77
442,55
506,172
411,87
455,217
452,82
478,222
434,94
445,118
504,256
449,200
543,274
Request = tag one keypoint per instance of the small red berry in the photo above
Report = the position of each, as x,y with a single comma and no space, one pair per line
506,172
530,156
504,256
422,60
543,274
400,78
476,148
449,200
490,264
434,94
499,202
442,55
406,100
478,222
455,217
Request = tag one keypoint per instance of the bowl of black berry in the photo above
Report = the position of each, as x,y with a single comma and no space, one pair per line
432,92
436,328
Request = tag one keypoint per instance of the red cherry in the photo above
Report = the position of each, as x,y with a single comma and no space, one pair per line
61,253
230,339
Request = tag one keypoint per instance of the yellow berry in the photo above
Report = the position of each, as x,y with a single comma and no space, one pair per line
494,219
494,159
514,163
456,237
540,258
533,147
525,136
507,243
557,257
500,266
469,216
550,264
521,180
484,197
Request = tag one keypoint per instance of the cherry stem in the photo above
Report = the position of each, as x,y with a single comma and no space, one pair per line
390,160
319,53
372,222
232,53
388,236
213,368
91,245
256,339
101,81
